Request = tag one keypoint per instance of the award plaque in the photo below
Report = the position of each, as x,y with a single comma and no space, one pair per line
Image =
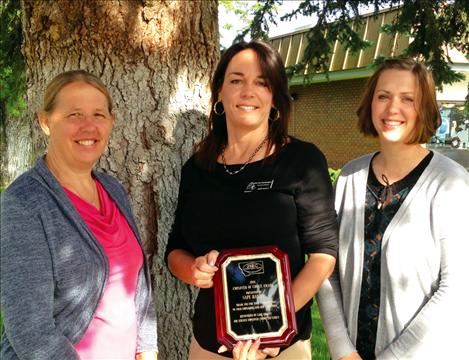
253,297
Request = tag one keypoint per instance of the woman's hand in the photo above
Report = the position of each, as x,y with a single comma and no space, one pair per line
203,269
249,350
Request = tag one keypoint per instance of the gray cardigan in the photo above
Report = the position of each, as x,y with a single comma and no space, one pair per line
423,299
53,270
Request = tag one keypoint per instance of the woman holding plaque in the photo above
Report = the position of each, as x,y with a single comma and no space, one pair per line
75,281
400,287
249,184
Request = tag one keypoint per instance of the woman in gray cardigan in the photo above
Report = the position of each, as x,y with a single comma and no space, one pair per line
75,282
400,286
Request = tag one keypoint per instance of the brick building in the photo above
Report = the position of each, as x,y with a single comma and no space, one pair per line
324,109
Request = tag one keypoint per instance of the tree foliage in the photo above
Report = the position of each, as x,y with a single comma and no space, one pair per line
240,8
12,67
243,11
434,25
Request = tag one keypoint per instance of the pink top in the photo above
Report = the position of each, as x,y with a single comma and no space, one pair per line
112,333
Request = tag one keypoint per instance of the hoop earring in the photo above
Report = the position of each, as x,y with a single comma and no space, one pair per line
215,108
277,115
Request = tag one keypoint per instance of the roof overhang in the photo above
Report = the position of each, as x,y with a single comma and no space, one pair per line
358,73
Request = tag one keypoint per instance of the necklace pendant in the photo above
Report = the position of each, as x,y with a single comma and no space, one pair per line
380,205
247,162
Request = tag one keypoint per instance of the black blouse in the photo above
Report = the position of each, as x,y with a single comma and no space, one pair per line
284,200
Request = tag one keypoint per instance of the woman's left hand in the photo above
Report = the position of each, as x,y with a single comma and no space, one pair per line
249,350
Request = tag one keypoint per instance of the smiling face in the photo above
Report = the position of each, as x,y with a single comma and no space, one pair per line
78,126
393,108
245,94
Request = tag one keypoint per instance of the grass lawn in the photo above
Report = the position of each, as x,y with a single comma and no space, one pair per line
318,338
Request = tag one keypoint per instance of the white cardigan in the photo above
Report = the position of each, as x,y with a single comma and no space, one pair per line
424,267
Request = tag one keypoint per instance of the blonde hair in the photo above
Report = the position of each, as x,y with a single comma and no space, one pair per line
68,77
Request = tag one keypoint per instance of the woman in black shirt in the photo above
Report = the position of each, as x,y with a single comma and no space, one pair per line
250,184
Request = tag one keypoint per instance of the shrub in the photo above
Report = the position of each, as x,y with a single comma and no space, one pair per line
334,174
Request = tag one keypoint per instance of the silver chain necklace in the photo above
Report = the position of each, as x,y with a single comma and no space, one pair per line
247,162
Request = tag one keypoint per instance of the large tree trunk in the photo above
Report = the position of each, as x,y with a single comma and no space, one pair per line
157,58
15,146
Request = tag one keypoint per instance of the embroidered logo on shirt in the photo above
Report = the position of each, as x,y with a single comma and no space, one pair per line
258,186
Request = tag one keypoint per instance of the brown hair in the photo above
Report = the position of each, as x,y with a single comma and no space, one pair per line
428,114
68,77
273,70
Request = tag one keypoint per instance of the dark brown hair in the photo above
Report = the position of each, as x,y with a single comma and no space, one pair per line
273,70
428,114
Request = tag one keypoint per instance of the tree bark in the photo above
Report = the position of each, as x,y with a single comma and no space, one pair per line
15,147
156,58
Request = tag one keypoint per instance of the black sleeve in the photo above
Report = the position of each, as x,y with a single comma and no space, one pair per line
317,221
